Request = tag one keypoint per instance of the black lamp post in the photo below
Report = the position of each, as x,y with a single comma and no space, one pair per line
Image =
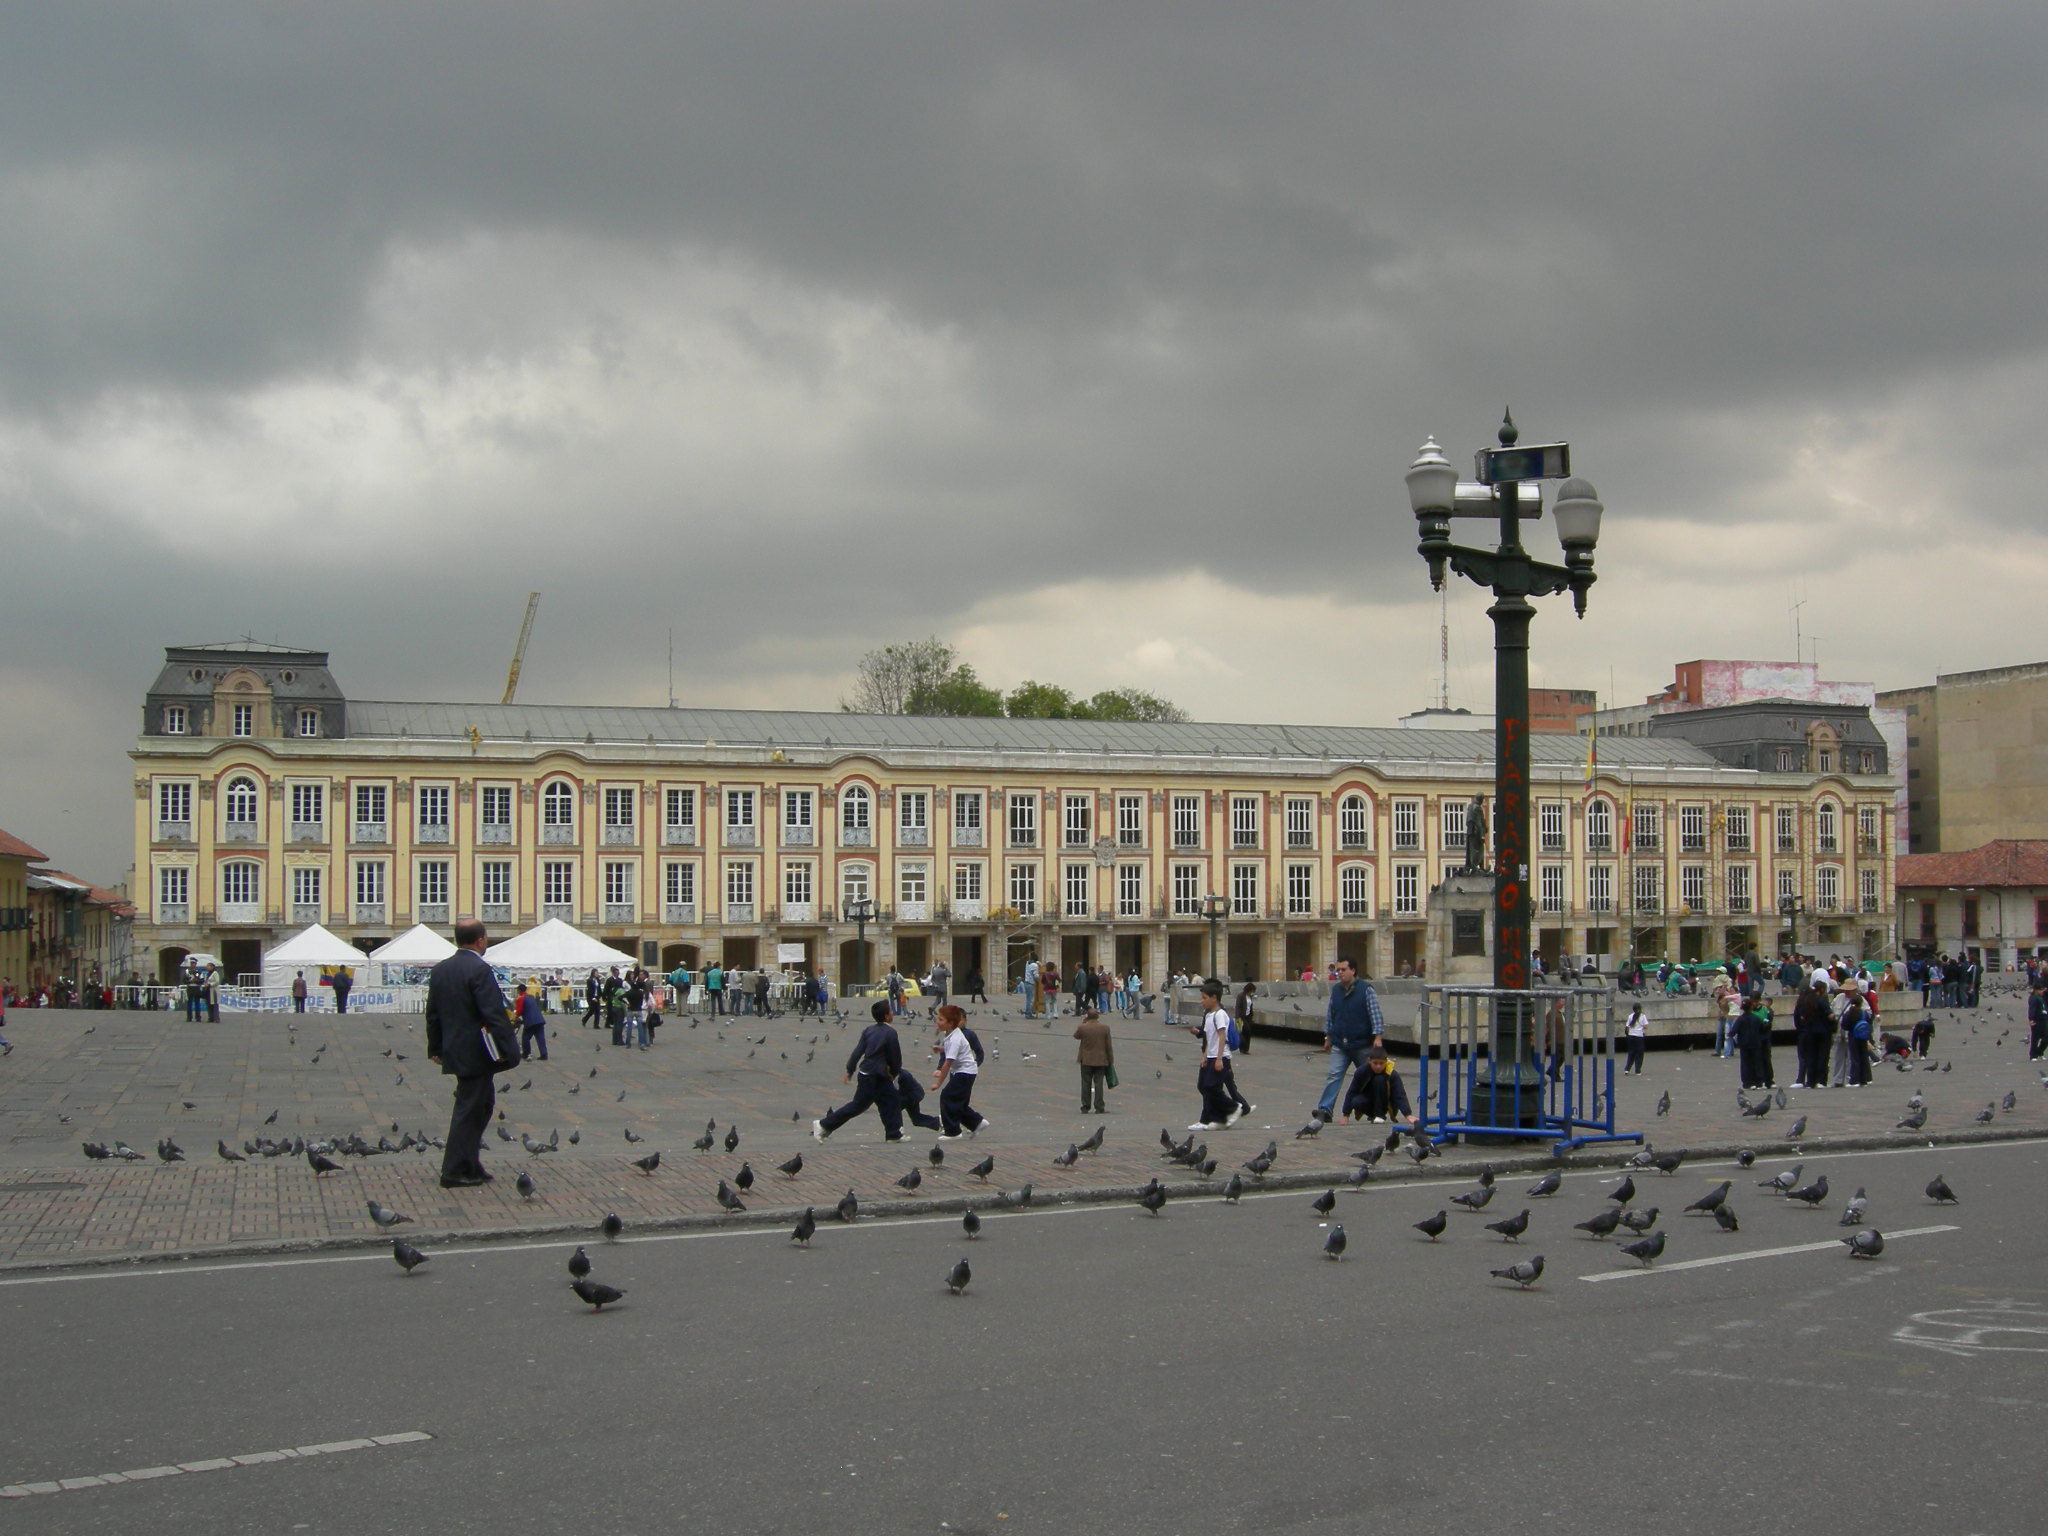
862,910
1791,907
1505,491
1215,908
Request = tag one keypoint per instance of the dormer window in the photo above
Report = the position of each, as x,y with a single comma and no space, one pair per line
309,722
174,719
243,720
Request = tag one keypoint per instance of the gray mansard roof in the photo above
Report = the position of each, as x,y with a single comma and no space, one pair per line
605,725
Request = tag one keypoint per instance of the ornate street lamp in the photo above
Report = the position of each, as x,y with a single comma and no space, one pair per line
862,910
1214,908
1509,488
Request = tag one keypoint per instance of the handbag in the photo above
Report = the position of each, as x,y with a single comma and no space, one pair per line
1109,1077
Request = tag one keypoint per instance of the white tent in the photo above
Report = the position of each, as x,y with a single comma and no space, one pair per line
308,950
418,946
554,946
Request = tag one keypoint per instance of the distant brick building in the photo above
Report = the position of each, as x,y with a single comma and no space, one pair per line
1989,902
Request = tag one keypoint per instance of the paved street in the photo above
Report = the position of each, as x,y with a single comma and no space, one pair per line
78,1077
1203,1371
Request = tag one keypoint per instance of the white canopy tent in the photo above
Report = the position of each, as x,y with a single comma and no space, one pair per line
418,946
554,946
308,950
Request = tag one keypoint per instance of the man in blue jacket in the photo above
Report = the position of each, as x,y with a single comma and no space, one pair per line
1352,1026
873,1064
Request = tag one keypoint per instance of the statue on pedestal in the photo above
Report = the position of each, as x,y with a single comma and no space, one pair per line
1475,837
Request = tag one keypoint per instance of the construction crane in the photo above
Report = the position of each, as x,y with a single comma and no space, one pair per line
519,650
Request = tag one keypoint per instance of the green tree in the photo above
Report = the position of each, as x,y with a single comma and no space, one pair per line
927,677
887,679
1031,700
958,692
1131,704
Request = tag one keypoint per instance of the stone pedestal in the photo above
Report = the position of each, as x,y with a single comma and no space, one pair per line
1459,944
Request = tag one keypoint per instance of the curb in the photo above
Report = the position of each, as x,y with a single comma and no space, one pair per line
1536,1163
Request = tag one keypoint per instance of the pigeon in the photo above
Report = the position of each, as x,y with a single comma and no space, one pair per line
909,1182
271,1118
1068,1158
727,1198
1664,1103
1712,1200
574,1137
1986,1115
1757,1110
228,1154
1512,1228
1864,1243
505,1135
1486,1178
1647,1250
1639,1221
1474,1199
703,1143
1524,1274
1549,1184
1166,1138
1939,1192
1258,1166
525,1186
848,1207
408,1257
1745,1158
320,1164
1623,1192
1333,1245
792,1168
806,1226
984,1168
596,1294
611,1227
1812,1194
1643,1159
1852,1213
1358,1176
744,1179
1313,1128
1094,1142
937,1154
1784,1183
1912,1122
1724,1217
1798,1128
1153,1199
732,1138
1233,1190
1324,1203
95,1151
1667,1163
2009,1102
1601,1224
169,1151
1918,1101
1780,1099
621,1098
1020,1199
633,1135
958,1276
384,1216
649,1163
1433,1227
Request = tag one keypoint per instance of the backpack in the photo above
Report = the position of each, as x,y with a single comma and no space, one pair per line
974,1045
1231,1034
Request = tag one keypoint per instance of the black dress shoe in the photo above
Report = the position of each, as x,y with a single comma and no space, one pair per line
462,1181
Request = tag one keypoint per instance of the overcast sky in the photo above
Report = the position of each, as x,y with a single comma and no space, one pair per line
1094,338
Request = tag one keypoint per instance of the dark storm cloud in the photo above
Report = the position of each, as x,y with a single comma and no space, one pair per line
349,324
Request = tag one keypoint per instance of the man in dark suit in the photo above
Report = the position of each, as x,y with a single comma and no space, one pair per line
462,999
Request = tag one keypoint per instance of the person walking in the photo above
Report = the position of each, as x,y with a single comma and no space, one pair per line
1243,1010
2037,1020
1031,987
1636,1033
873,1065
1351,1026
974,986
1218,1108
344,979
299,993
714,987
636,1012
959,1067
937,982
1753,1044
1097,1057
463,1001
533,1025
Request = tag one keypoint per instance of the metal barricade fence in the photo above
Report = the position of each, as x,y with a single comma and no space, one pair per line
1530,1065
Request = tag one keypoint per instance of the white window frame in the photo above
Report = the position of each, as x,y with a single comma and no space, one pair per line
1247,822
1021,825
308,881
1451,821
431,875
913,884
1247,881
1130,890
969,882
1130,821
1301,890
175,720
1407,890
1785,828
967,810
679,882
1298,816
742,808
856,808
242,718
799,808
1787,886
1599,825
241,883
621,885
1599,887
304,797
371,881
621,804
742,881
1827,887
679,807
1354,891
913,810
1023,887
309,723
1406,825
1692,828
1552,827
174,800
1077,820
240,794
558,883
1354,822
1827,828
1738,829
1647,887
1867,889
1188,821
799,883
425,797
1077,889
1647,828
496,880
856,883
1692,887
1741,888
1552,894
558,804
174,885
1187,890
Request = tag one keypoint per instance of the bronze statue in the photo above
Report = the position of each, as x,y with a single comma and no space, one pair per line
1475,837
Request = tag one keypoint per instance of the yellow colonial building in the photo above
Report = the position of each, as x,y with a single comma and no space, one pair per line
266,800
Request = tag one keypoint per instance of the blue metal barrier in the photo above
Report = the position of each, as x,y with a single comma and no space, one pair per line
1534,1065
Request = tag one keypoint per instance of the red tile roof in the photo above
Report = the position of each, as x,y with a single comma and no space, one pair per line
12,847
2009,862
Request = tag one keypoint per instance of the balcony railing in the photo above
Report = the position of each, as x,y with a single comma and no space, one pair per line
621,836
1182,838
558,835
308,912
496,833
1550,843
679,912
739,911
799,912
309,832
1407,842
370,912
737,836
856,837
1870,903
432,832
679,835
1830,845
1692,842
1649,842
1243,839
1866,843
1301,840
174,831
1738,843
1353,909
1600,904
1023,839
564,910
1597,843
913,837
913,911
799,837
238,832
370,832
967,837
495,912
620,912
433,913
1352,842
1651,905
1787,844
173,912
1738,903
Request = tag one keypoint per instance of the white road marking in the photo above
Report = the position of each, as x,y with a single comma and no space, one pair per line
208,1464
1754,1253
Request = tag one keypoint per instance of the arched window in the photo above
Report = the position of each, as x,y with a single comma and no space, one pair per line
1354,822
1599,825
558,805
240,800
1827,827
856,808
241,883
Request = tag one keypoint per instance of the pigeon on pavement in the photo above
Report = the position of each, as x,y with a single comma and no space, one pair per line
1068,1158
579,1264
1724,1215
597,1294
1153,1199
958,1276
909,1182
1712,1199
1474,1199
1639,1221
970,1223
1512,1228
384,1216
1524,1274
1812,1194
806,1225
1233,1190
409,1258
1432,1227
1623,1192
646,1164
1647,1250
611,1226
984,1168
1864,1243
792,1168
1333,1245
1664,1103
1324,1203
1939,1192
848,1208
1602,1223
727,1198
1852,1213
1549,1184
